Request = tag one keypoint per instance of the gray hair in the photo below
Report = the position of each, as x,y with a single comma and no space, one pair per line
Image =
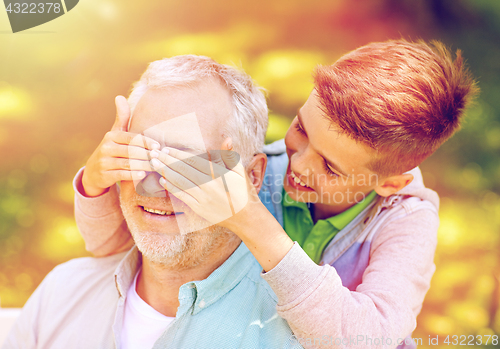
247,127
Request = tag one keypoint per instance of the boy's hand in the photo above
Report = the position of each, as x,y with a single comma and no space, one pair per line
218,197
117,154
226,198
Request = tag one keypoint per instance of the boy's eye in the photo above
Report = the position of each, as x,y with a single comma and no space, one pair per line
328,170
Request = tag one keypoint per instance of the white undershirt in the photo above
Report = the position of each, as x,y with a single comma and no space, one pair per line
142,324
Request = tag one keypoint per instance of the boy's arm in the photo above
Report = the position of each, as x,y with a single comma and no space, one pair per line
100,220
315,304
121,156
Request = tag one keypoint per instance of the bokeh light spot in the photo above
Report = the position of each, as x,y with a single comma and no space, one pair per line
15,103
440,324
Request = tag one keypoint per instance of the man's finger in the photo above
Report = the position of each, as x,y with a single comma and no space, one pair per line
122,114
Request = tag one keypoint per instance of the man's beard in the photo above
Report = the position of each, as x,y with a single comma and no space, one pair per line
185,250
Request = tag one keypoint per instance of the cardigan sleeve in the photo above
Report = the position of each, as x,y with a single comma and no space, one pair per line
386,303
100,220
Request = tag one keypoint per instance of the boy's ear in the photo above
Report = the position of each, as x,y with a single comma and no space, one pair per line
393,184
256,170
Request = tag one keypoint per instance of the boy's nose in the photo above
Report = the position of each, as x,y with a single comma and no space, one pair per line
150,186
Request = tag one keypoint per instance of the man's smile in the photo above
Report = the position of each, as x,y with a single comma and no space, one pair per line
160,212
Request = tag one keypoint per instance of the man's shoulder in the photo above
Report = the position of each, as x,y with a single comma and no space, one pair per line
80,281
85,270
89,264
77,299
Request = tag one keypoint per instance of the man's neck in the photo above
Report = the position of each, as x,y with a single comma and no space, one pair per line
158,285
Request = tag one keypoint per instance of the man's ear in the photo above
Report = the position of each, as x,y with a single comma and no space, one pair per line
256,170
393,184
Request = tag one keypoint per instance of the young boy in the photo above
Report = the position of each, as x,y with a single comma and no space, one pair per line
345,185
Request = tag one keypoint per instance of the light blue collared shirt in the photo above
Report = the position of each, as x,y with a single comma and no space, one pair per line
233,308
80,304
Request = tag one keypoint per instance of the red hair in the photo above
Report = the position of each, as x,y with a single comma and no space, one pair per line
403,99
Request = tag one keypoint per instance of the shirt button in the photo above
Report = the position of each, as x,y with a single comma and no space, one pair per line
201,304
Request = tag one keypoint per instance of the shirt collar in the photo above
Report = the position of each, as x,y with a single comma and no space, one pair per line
126,270
223,279
340,220
203,292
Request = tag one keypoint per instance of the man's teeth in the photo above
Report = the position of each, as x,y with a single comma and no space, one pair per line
163,213
297,180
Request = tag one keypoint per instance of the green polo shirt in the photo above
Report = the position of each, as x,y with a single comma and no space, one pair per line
314,238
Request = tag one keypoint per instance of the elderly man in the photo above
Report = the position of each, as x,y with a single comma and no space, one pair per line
186,284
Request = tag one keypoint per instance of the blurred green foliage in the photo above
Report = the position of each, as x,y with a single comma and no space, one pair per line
58,82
